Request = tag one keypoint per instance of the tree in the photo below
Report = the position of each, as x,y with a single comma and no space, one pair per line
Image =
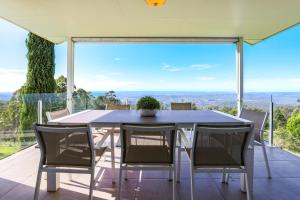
82,99
40,77
61,84
110,98
279,118
293,126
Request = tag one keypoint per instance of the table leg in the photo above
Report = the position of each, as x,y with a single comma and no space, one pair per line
53,181
179,158
112,145
250,166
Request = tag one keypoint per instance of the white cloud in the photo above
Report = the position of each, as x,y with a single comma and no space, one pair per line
200,66
11,79
170,68
273,85
105,82
117,59
10,71
294,80
205,78
115,73
101,76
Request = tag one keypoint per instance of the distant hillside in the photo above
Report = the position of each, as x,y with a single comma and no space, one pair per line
257,99
5,96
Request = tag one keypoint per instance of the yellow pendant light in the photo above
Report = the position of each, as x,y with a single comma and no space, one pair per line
155,3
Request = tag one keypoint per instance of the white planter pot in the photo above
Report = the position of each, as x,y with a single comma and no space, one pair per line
148,113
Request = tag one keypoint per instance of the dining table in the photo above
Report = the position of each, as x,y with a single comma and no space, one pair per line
181,118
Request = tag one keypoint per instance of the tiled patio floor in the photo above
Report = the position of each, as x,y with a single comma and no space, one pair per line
18,174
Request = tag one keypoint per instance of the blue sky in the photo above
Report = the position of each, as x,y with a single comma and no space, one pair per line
272,65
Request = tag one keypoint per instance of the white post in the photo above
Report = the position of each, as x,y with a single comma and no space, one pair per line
271,122
240,75
40,112
70,73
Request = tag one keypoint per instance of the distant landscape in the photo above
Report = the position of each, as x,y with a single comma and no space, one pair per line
258,99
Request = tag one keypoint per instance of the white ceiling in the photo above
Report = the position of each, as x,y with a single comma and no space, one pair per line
57,20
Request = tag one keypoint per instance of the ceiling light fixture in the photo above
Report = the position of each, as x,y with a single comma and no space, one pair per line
155,3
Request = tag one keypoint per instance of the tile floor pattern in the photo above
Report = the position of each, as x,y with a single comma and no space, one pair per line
18,174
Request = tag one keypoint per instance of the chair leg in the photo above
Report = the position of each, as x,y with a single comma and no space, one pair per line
247,187
193,197
170,175
266,160
227,178
112,144
37,185
224,177
126,174
70,177
179,159
92,184
174,183
120,184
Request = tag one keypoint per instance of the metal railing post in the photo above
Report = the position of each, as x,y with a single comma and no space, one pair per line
271,122
40,112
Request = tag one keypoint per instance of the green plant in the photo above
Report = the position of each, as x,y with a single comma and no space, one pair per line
40,78
147,103
293,126
109,98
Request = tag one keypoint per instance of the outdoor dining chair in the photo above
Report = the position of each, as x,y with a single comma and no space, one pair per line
147,147
180,106
259,119
219,149
98,135
57,114
117,107
61,152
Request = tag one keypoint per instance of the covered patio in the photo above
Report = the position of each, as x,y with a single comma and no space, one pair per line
18,174
196,21
120,21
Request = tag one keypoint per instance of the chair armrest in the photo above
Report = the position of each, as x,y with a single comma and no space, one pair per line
185,140
99,151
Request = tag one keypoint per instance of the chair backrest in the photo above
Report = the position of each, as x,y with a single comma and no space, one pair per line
259,119
65,146
220,146
57,114
148,144
117,107
181,106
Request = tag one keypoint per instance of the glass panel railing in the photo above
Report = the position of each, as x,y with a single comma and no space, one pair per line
286,118
18,113
17,116
225,102
287,127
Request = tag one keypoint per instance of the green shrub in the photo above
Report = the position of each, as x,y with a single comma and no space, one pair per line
40,78
293,126
148,103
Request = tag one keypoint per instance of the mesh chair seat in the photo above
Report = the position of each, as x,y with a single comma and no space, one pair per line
57,114
181,106
109,129
210,154
69,157
148,154
259,120
147,146
117,107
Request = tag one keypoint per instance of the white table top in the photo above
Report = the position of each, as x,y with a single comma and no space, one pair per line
183,118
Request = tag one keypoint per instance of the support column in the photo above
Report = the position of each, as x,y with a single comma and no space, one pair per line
240,75
70,73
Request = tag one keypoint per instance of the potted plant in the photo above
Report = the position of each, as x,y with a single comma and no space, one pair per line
148,106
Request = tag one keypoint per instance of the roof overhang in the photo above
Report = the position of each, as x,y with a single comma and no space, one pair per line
57,20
